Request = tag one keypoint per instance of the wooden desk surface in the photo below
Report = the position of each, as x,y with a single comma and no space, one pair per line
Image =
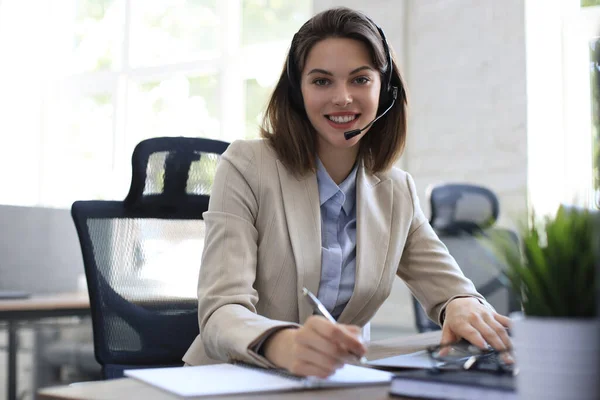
73,300
127,388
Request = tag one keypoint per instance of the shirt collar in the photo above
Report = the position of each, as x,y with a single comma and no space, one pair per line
328,188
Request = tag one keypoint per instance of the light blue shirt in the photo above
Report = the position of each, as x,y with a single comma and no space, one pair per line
338,239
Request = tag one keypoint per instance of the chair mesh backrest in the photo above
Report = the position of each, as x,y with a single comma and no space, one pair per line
173,175
142,256
462,207
463,216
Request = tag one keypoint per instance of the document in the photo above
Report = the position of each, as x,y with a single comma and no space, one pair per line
419,359
221,379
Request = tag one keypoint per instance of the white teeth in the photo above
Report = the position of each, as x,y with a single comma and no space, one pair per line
343,119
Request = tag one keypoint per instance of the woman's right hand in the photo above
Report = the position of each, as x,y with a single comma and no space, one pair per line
317,348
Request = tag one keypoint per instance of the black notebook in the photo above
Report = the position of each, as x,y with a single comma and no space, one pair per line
453,384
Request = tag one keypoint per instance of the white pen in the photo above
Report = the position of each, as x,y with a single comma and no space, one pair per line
320,308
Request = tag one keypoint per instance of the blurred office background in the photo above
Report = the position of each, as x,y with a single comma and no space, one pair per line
501,94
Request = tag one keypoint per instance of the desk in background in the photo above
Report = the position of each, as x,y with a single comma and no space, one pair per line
129,388
32,309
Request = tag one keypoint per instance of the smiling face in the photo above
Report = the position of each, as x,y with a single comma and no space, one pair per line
340,86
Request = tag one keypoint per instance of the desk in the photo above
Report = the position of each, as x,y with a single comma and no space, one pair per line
127,388
34,308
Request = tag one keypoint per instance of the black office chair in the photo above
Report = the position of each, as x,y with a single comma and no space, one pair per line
464,218
142,255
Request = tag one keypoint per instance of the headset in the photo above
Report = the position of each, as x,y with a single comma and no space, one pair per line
387,92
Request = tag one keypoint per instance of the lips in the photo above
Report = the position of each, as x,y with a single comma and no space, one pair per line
342,120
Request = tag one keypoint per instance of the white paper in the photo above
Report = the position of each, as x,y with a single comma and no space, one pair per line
352,375
211,380
419,359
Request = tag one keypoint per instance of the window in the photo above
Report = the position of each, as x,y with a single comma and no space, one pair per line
86,80
595,115
582,28
594,54
562,86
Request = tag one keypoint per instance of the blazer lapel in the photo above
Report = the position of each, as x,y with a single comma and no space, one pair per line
303,217
374,200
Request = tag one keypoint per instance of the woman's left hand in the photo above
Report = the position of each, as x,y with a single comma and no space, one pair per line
466,318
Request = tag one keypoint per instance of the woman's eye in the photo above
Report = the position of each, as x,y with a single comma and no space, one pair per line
321,82
361,80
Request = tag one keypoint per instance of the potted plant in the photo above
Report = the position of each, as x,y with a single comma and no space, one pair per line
555,337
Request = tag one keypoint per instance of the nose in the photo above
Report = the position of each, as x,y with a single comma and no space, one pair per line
342,96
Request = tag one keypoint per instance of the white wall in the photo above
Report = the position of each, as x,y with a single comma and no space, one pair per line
467,85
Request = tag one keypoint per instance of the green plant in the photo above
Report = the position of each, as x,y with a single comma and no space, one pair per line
554,276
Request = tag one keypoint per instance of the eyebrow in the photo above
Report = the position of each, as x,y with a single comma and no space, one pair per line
354,71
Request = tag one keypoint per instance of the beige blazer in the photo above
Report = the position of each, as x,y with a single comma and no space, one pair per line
263,244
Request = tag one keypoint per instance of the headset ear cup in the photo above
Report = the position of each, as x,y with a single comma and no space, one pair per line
385,98
386,93
294,90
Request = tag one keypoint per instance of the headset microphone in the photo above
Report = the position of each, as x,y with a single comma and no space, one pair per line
350,134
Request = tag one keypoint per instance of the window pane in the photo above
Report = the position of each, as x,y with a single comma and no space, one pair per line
267,29
20,114
168,32
176,106
94,30
256,96
77,161
21,76
269,20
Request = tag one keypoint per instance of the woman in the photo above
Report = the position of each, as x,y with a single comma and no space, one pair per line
308,206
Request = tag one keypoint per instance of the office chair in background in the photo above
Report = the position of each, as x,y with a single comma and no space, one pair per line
464,218
142,255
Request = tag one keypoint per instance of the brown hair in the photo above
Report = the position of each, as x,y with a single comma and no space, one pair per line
286,125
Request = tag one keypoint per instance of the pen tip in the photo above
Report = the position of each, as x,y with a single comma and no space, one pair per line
304,291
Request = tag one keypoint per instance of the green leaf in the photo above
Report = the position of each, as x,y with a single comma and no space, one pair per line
554,276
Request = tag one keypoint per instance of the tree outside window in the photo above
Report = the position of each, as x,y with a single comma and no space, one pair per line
590,3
